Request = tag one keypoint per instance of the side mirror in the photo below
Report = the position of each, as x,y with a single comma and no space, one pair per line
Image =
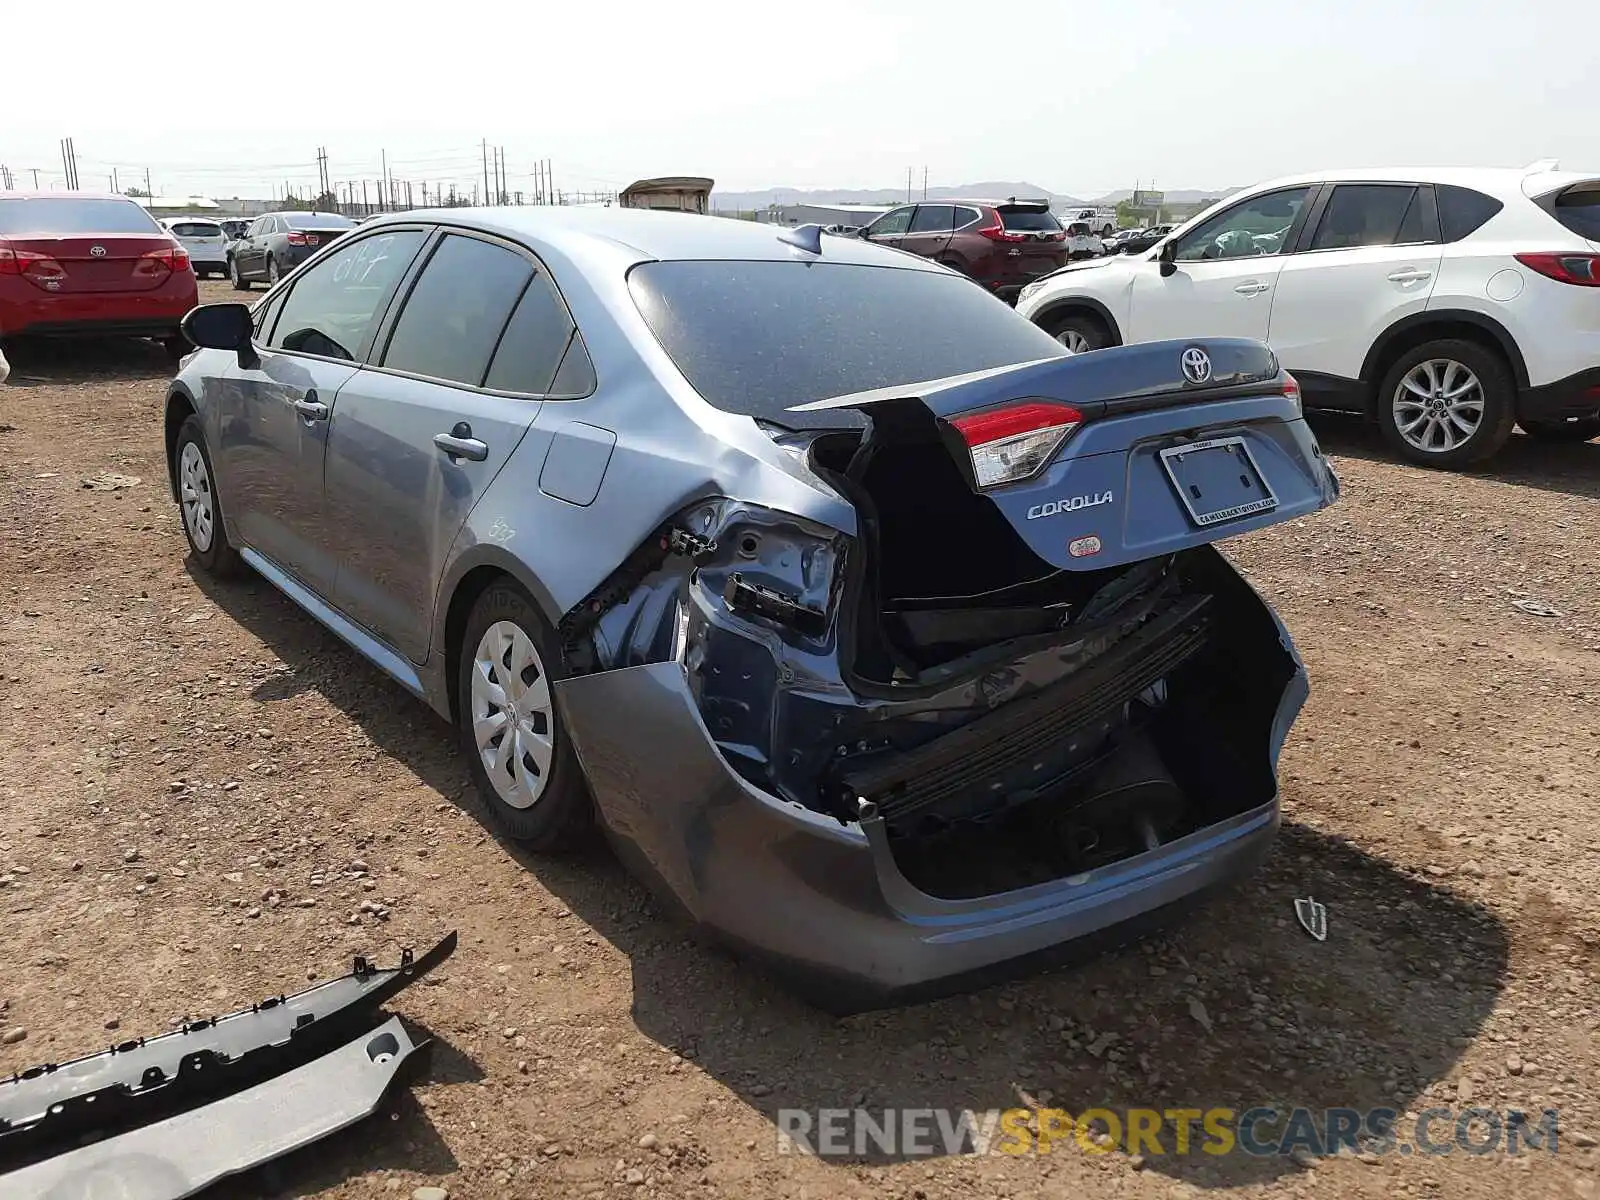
1168,258
222,327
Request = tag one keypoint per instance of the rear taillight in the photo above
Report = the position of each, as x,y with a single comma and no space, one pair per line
29,263
1581,269
296,239
999,233
1291,389
1011,443
1059,235
168,258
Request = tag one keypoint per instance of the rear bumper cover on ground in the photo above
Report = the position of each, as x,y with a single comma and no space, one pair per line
825,902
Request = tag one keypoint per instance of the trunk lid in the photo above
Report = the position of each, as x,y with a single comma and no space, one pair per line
1155,464
90,263
1043,243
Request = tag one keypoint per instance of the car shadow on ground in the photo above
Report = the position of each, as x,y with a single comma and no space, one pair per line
43,362
1551,466
397,1137
1237,1008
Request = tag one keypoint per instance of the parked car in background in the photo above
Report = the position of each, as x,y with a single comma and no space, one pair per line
1103,221
546,466
75,264
277,243
1083,242
234,227
1450,305
204,239
1136,241
1003,244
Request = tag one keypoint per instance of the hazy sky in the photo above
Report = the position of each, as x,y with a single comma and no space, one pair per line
1204,95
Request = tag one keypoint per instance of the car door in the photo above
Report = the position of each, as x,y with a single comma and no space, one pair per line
1372,258
273,413
419,436
1224,272
890,228
930,230
246,253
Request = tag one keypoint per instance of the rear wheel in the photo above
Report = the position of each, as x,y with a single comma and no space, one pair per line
954,264
240,283
1447,404
1582,429
520,756
272,272
198,506
1078,332
176,346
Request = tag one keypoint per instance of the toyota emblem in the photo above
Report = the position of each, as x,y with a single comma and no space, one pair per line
1196,365
97,251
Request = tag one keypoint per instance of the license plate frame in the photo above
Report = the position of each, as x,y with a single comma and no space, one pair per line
1189,489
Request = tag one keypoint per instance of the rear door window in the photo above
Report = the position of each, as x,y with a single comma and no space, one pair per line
1579,210
1462,210
1370,214
530,350
966,216
457,310
334,307
933,218
891,222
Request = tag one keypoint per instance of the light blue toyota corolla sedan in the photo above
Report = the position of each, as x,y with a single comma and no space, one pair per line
878,634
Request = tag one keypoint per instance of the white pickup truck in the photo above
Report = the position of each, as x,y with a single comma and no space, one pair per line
1102,220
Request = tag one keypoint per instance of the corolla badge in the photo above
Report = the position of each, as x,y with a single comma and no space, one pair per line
1196,365
97,251
1051,508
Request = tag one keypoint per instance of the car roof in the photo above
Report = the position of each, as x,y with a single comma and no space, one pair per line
1507,180
645,235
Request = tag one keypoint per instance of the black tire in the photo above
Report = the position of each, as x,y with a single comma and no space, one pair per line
1583,429
218,558
177,346
1499,393
954,264
562,814
1087,326
272,271
240,283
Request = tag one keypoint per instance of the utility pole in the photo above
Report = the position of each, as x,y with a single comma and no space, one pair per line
924,181
35,171
366,208
115,186
485,171
908,185
500,162
148,191
5,176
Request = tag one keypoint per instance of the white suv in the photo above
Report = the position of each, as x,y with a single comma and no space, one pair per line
204,239
1450,304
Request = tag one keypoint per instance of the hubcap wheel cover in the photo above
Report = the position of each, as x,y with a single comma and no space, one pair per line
1438,405
194,495
513,717
1074,341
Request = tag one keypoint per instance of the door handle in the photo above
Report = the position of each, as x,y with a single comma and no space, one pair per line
311,408
459,443
1254,288
1410,275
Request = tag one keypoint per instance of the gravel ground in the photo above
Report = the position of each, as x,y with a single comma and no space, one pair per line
206,799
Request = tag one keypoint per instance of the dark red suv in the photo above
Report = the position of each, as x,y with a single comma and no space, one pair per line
79,265
1003,244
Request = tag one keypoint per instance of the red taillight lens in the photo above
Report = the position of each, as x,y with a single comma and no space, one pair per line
1011,443
29,263
168,258
999,233
297,239
1291,389
1581,269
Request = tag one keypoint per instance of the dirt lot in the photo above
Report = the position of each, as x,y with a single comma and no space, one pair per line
189,775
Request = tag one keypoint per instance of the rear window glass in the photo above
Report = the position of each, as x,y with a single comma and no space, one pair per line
46,214
316,221
1579,211
760,337
1029,220
195,229
1462,210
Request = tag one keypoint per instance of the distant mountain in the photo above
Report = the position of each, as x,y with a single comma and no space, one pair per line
991,189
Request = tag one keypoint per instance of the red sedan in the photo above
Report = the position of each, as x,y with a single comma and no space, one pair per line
74,264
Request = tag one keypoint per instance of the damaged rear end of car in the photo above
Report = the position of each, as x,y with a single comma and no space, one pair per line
1020,708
